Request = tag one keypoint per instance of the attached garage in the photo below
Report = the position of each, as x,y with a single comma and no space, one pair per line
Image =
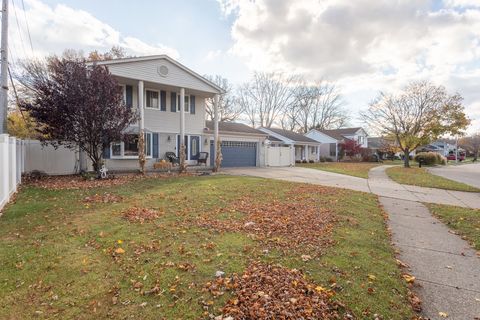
241,145
237,154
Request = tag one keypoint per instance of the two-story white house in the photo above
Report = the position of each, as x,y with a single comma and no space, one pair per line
331,139
170,100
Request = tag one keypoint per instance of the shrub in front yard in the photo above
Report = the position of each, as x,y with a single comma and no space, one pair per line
429,158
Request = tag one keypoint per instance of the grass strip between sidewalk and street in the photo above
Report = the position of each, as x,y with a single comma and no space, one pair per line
464,221
420,177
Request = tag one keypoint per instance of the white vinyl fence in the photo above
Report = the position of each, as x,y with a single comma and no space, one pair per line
52,161
12,156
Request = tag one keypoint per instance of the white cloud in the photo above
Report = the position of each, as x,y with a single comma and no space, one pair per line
54,29
364,45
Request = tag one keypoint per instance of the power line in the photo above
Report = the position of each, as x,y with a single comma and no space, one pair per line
28,28
19,29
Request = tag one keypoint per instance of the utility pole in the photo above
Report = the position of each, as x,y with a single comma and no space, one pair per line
4,69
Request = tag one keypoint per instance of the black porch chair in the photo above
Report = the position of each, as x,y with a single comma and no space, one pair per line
202,158
172,157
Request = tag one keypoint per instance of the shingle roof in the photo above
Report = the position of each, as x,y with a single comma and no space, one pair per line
375,142
233,127
292,135
340,134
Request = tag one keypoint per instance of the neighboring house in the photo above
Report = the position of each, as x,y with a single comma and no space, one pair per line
301,147
156,86
331,139
241,145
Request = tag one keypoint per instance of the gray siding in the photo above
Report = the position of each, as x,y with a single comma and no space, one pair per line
167,121
148,71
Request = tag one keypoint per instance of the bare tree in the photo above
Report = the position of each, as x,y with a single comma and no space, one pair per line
419,114
317,106
228,109
472,143
266,97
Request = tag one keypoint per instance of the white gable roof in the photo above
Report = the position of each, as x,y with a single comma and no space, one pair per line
148,69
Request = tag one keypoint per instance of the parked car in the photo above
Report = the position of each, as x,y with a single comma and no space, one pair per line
452,156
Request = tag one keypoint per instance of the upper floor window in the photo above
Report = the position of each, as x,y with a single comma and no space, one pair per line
187,103
152,99
361,139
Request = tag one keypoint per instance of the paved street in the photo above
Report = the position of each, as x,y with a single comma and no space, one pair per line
446,268
466,173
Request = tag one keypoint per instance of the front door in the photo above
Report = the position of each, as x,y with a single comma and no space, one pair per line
194,147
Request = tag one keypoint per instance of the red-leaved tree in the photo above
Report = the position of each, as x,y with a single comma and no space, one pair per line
351,148
76,104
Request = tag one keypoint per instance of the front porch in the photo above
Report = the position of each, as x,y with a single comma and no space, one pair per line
307,152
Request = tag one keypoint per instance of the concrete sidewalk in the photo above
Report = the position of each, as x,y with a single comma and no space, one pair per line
445,266
378,184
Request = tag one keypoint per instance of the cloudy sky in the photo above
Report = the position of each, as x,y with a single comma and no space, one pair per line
363,46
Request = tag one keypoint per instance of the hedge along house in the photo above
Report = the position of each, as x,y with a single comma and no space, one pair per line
170,100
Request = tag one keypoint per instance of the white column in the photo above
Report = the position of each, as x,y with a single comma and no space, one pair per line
182,118
141,122
318,153
215,127
336,151
4,172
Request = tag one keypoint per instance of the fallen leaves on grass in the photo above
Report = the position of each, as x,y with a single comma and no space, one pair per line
273,292
103,198
409,278
140,215
77,182
415,301
302,218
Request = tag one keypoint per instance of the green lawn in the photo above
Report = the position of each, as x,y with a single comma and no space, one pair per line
356,169
64,257
463,220
422,178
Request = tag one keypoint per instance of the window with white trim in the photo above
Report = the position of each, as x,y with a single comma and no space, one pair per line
187,103
123,89
128,148
152,99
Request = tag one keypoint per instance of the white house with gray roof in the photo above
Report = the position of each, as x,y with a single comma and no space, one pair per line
331,139
170,100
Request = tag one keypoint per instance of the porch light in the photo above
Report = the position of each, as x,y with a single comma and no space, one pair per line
206,141
169,138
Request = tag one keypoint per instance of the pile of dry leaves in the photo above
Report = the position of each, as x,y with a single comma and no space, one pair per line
103,198
140,215
273,292
299,219
78,182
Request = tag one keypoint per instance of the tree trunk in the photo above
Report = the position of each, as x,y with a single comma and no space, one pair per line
183,157
141,151
406,158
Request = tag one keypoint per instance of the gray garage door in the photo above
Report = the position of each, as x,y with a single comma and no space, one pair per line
237,154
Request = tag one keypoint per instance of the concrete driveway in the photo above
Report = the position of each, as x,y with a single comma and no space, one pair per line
466,173
378,184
